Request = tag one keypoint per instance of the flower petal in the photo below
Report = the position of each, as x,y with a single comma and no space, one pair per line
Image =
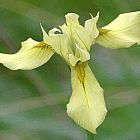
45,35
83,36
59,43
72,18
82,54
73,60
91,28
123,32
32,55
86,106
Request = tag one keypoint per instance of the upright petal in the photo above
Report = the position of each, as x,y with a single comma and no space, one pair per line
72,19
91,27
123,32
83,36
87,105
59,43
45,35
32,55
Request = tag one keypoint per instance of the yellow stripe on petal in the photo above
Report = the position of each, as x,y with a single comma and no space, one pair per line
123,32
32,55
87,105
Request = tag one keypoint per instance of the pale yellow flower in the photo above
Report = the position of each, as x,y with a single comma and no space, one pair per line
73,42
86,106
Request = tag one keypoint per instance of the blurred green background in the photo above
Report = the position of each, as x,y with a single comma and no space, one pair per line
33,103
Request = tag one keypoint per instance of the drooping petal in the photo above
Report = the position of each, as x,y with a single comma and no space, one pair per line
32,55
86,106
123,32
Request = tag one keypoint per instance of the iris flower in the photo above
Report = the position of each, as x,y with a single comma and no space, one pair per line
72,42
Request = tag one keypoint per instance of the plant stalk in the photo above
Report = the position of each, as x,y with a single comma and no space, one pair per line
90,136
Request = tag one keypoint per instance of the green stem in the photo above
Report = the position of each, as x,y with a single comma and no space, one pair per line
90,136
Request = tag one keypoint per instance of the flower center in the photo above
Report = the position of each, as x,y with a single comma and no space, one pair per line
80,68
103,31
41,45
